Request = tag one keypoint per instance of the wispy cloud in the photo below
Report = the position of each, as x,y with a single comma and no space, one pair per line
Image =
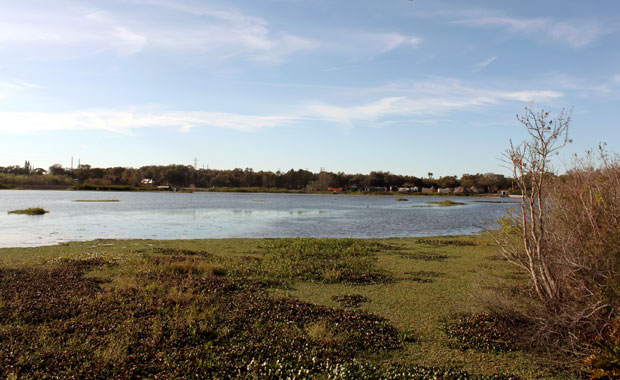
572,34
61,31
481,65
391,41
19,84
11,88
374,41
425,98
383,105
123,121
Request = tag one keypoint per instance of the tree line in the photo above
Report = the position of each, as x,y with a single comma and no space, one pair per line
188,176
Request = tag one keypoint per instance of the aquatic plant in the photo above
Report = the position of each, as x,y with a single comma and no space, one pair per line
446,203
96,200
30,211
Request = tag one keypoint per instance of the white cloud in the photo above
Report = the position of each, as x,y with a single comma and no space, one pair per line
369,111
381,42
127,42
9,89
123,121
571,34
481,65
382,105
603,87
437,97
19,84
63,31
390,41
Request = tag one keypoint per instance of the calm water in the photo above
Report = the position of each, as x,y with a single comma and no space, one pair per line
218,215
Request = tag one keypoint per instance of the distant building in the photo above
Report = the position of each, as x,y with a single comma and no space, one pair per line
445,190
147,181
428,190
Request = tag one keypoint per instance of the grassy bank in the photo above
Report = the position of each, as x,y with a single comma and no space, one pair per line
254,308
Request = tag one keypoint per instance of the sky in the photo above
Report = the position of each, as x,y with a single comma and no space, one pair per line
350,86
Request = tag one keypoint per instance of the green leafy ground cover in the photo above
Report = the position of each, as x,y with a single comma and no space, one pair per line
257,309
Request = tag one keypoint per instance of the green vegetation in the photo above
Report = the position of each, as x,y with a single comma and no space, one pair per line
256,308
96,200
30,211
401,199
446,203
24,180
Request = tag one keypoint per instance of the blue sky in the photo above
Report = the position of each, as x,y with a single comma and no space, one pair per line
353,86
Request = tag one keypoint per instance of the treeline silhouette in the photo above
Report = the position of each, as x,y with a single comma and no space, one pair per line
188,176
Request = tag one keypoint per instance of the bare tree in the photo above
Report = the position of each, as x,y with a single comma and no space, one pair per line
565,236
531,171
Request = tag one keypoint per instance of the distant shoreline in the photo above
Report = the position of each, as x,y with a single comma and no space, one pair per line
108,188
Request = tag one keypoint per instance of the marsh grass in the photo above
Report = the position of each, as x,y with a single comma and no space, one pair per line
30,211
249,309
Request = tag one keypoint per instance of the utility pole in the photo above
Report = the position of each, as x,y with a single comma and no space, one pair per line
195,163
71,162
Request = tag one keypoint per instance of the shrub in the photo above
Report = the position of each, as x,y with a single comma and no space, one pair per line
604,362
565,237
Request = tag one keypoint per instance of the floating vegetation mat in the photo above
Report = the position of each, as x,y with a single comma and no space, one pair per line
446,203
97,200
30,211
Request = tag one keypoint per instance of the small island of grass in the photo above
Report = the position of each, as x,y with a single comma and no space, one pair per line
446,203
30,211
401,199
96,200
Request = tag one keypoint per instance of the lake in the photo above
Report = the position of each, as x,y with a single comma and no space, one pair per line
151,215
